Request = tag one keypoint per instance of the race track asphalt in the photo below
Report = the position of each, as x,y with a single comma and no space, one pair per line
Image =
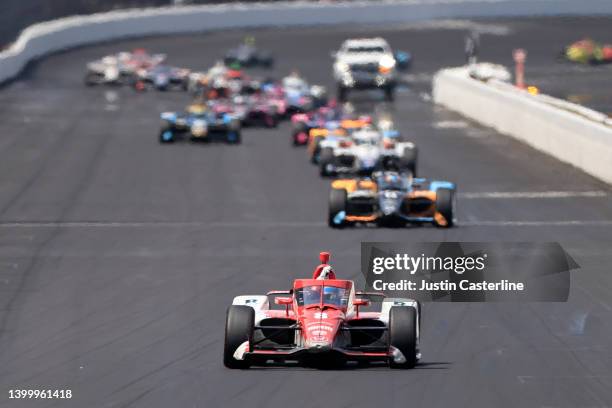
118,256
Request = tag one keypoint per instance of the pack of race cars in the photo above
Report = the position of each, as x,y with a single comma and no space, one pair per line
375,168
376,171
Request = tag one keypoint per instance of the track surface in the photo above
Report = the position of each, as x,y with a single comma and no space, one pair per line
118,256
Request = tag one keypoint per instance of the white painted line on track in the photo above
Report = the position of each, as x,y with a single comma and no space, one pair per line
551,223
284,224
164,224
450,124
533,194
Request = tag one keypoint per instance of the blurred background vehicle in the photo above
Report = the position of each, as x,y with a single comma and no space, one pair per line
588,51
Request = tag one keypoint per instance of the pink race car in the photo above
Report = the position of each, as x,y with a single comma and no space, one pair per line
321,322
302,123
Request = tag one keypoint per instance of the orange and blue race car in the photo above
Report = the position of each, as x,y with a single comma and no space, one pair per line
390,198
321,322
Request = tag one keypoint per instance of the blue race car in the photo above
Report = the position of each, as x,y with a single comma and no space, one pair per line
200,123
162,78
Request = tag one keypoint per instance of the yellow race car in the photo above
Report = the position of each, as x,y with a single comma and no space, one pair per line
588,51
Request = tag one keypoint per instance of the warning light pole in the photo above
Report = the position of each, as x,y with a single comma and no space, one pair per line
519,55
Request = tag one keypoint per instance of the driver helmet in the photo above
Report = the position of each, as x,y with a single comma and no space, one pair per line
197,108
326,273
391,177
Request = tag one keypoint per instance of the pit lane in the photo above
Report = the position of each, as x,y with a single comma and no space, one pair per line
118,256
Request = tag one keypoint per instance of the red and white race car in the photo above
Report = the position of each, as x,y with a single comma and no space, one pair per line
321,325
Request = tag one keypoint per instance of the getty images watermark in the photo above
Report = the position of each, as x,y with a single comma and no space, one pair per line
468,271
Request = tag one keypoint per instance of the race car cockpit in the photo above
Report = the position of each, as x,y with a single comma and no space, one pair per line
391,180
321,295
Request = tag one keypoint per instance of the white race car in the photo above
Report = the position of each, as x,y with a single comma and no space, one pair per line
365,151
120,68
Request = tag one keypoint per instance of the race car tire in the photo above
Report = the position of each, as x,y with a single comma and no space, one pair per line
445,205
342,93
316,151
166,135
125,79
337,204
272,119
326,158
234,135
299,129
389,93
408,160
140,86
91,79
403,335
320,102
239,323
562,56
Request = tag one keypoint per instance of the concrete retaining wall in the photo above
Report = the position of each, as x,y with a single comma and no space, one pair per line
45,38
568,132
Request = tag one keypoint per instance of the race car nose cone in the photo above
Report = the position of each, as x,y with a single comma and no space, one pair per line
319,348
388,206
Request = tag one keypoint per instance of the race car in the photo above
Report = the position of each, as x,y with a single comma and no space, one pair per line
200,123
332,130
391,198
321,323
367,150
106,71
344,124
302,123
202,81
300,96
140,58
162,78
247,55
226,83
228,106
257,110
588,51
275,96
118,69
